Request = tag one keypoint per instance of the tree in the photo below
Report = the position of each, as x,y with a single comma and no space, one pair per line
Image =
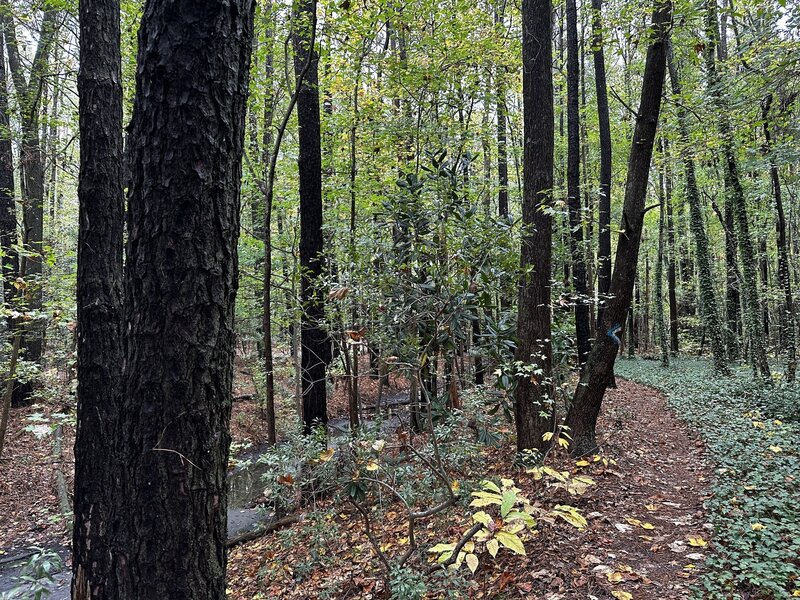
533,394
500,110
712,323
604,126
735,195
28,92
582,333
185,151
314,345
784,278
588,398
99,296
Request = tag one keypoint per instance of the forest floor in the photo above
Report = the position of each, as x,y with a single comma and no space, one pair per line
647,533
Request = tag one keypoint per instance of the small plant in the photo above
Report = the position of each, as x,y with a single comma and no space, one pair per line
513,517
406,584
38,572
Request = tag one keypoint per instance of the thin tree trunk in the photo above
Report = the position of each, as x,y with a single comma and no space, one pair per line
314,343
733,188
661,328
585,408
671,252
502,146
98,470
712,323
784,278
604,205
582,332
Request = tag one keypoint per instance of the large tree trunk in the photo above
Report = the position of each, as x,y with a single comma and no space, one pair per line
99,297
712,322
533,394
314,346
735,194
181,276
582,332
784,278
585,408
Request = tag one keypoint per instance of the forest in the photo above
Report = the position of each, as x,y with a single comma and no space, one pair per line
342,299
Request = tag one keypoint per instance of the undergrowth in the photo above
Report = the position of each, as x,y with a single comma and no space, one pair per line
752,431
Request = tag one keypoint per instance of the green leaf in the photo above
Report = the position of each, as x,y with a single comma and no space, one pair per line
509,499
490,485
442,548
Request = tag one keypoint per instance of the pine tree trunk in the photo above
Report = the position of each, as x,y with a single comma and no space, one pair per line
181,276
99,299
534,319
586,403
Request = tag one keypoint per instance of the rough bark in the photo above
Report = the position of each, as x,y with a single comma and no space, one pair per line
586,403
99,296
671,252
582,332
181,275
314,346
534,412
660,324
709,311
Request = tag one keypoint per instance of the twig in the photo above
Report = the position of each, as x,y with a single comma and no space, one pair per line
468,535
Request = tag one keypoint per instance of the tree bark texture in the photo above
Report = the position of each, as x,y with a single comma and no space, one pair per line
534,411
99,297
314,343
186,141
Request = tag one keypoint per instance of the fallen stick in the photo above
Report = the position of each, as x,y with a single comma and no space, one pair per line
249,536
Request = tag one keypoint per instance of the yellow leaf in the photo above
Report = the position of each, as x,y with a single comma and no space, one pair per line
455,486
472,562
698,542
563,442
511,541
776,449
372,466
615,577
571,515
651,507
648,526
547,436
582,463
482,517
779,423
622,595
796,594
490,485
758,424
442,548
757,526
493,546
